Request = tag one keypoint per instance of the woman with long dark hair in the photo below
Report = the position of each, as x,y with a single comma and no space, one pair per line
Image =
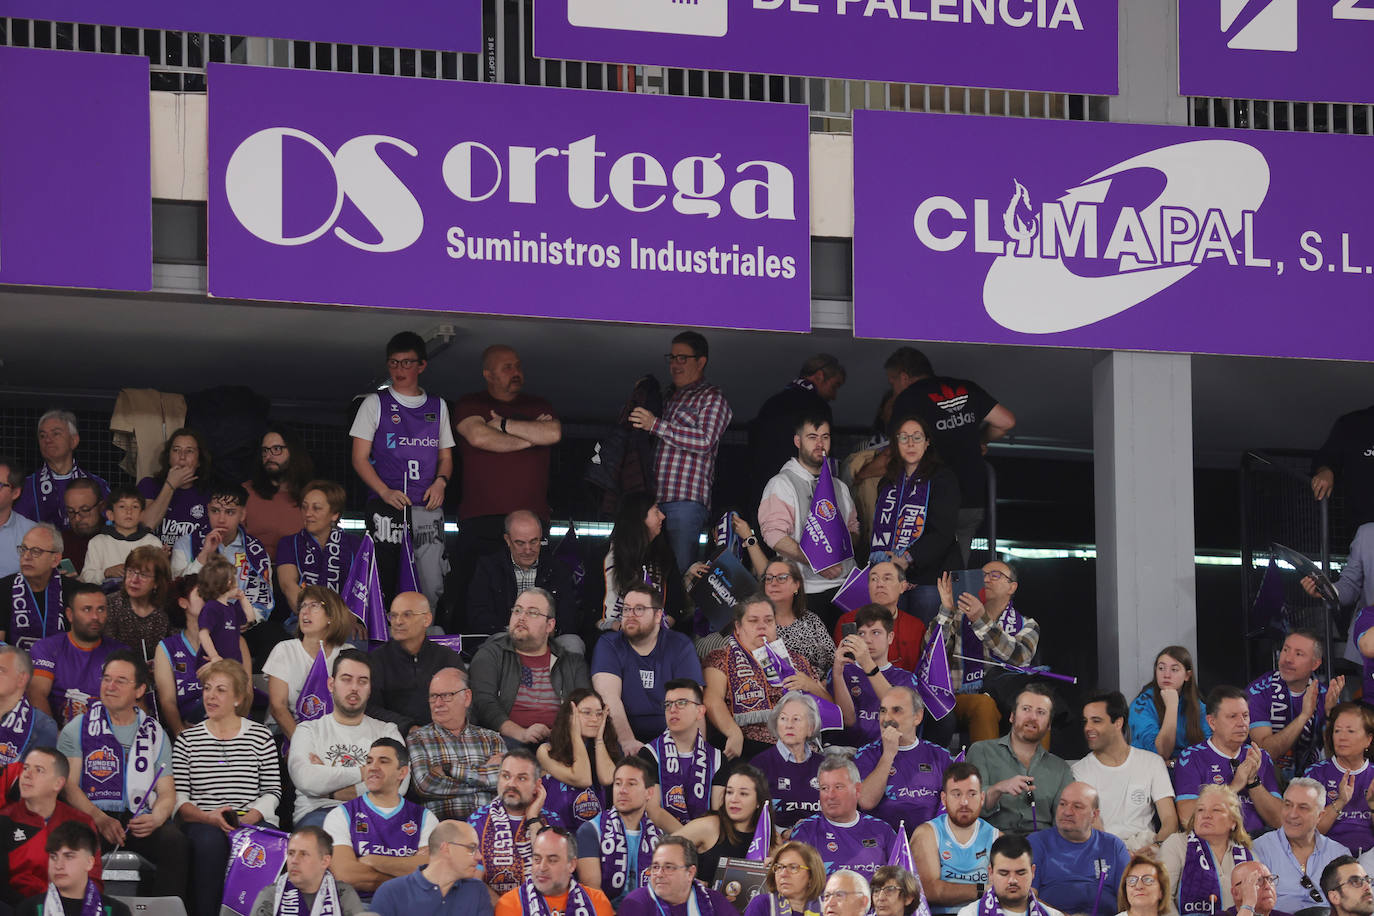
579,758
176,495
1167,715
917,514
728,830
640,553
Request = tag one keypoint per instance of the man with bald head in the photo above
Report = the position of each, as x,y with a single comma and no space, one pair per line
505,438
1076,865
525,562
901,773
447,886
1253,889
403,666
454,762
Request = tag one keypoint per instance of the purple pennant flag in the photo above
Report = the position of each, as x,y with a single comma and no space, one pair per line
406,578
853,594
959,757
449,640
567,552
257,856
901,851
825,537
363,593
763,836
315,700
932,677
726,537
1267,611
777,667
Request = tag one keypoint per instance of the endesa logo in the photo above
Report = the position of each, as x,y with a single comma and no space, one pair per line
1119,237
261,197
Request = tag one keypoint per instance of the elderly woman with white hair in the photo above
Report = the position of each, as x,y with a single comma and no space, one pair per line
794,760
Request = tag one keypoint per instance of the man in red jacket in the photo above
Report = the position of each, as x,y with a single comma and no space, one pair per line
26,824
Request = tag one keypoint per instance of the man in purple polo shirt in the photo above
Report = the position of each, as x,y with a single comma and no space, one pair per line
840,833
1228,759
403,451
67,666
41,499
901,772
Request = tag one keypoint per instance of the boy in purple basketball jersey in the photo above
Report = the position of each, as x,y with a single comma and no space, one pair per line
403,451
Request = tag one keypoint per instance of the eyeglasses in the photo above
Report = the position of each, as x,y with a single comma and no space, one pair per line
273,450
777,578
470,847
33,551
1146,880
408,363
592,713
669,705
839,896
312,605
447,696
993,575
887,890
398,616
665,867
138,574
530,612
679,358
793,868
1355,882
638,610
74,511
910,438
121,682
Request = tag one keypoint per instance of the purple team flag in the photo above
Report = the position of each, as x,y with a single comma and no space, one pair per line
567,552
257,856
450,640
853,594
363,592
777,667
763,836
825,537
315,701
725,536
932,677
406,578
901,850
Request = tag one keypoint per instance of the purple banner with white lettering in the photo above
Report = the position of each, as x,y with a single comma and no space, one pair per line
439,25
75,180
509,200
1113,236
1045,45
1313,51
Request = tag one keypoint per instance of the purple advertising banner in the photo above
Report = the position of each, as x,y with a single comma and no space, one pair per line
1033,45
439,25
75,176
1313,51
507,200
1115,236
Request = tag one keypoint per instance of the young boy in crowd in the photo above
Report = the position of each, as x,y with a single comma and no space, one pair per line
107,551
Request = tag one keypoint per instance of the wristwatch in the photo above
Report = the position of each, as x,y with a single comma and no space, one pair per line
751,540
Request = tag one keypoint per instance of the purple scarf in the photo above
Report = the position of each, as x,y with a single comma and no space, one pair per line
47,494
678,799
532,903
970,645
900,517
988,906
29,622
615,854
16,729
1199,884
90,901
321,564
1304,752
747,681
288,902
505,849
107,772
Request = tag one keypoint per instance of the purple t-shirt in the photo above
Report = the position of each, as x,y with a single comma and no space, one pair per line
796,786
864,846
1273,705
913,783
1353,826
223,623
1203,763
74,672
185,513
866,727
640,902
1363,621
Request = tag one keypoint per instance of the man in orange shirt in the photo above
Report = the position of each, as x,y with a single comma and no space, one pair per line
550,888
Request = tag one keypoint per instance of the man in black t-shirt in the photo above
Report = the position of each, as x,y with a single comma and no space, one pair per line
964,418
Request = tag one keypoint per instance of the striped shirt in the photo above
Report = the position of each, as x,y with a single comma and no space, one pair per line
694,418
242,771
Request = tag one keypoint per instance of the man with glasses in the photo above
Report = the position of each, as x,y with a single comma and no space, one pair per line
1346,886
448,886
526,562
1253,889
41,499
505,437
21,725
453,762
695,416
506,827
817,383
274,493
646,656
13,526
518,681
672,889
846,894
121,765
551,888
689,769
67,666
403,451
84,511
31,599
404,664
1297,851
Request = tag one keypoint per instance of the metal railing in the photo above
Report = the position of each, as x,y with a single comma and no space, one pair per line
1258,114
179,60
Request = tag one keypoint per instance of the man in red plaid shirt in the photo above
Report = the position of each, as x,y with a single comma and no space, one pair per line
695,416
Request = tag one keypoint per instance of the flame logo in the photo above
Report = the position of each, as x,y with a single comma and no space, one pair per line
1017,227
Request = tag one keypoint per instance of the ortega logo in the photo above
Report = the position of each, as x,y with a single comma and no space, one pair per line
288,188
254,855
825,509
1112,241
102,764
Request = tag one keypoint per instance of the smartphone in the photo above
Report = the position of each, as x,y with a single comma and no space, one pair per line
232,818
970,581
848,629
66,567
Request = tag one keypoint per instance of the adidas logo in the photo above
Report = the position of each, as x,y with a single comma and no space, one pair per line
950,399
